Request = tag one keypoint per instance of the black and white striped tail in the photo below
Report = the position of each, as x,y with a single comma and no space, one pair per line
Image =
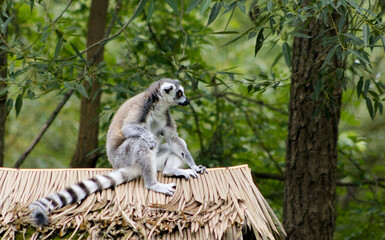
77,192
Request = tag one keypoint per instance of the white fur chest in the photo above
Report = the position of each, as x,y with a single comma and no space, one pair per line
156,121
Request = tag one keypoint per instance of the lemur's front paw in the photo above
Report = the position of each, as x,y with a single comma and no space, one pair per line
167,189
151,141
199,169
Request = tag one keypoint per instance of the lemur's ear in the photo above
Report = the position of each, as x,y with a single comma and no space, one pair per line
167,87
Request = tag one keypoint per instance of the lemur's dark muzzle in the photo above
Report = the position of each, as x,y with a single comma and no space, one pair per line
185,103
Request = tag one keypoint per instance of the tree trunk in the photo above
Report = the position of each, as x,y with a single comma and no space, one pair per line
3,97
89,115
311,151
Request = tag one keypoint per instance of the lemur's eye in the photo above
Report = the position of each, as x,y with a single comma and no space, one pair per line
179,93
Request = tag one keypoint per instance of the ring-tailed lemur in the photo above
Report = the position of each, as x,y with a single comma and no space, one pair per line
134,149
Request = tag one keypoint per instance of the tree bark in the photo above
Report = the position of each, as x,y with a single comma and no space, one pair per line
89,114
311,150
3,97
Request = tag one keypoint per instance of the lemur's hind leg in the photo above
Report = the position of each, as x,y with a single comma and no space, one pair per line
172,168
171,164
145,159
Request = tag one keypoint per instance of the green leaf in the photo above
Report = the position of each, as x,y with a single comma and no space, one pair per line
214,12
58,47
241,7
31,3
383,41
359,86
18,104
77,52
45,34
329,56
229,8
4,25
192,5
68,85
80,88
356,40
366,33
59,33
318,88
286,54
139,8
250,88
231,15
359,56
341,24
366,86
226,32
380,107
239,37
9,105
173,4
251,35
4,9
150,10
116,18
369,106
30,94
3,92
259,42
205,5
355,5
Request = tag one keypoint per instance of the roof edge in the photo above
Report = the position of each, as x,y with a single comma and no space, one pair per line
100,169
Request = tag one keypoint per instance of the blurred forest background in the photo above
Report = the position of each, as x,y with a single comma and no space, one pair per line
235,64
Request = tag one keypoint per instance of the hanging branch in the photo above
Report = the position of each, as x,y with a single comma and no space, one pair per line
70,92
258,102
45,128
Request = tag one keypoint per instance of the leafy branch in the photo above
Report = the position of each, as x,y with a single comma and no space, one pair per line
70,92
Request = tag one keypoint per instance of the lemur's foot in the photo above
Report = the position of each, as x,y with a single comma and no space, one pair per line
187,173
168,189
199,169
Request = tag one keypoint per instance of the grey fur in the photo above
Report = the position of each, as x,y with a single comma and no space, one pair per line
134,149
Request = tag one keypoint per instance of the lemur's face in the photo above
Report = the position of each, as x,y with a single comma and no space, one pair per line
174,94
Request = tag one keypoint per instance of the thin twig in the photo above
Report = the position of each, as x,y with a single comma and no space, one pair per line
258,102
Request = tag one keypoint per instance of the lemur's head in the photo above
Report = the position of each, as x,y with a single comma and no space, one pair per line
172,92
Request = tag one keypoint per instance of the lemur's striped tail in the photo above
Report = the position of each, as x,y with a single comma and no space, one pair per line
77,192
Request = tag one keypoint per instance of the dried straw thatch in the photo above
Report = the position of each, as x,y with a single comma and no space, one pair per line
218,205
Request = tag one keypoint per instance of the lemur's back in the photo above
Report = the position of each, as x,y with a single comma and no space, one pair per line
128,112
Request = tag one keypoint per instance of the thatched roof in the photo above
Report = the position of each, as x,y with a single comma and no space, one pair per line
216,205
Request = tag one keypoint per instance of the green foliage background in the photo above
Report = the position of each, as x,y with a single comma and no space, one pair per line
239,101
